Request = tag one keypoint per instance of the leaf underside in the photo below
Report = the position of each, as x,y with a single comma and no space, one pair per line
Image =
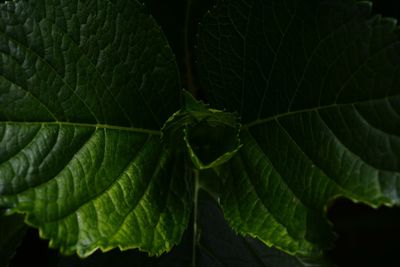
84,90
317,84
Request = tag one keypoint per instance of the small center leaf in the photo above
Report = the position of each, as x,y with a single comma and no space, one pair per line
211,136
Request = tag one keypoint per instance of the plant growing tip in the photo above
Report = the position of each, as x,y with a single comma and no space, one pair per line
210,136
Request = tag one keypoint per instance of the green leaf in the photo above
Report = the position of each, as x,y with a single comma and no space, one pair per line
317,84
12,230
217,245
211,136
85,87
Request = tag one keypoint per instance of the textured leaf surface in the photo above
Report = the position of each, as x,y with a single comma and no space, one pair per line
317,86
217,246
12,230
85,87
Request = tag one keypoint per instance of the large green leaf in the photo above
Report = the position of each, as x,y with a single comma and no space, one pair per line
12,230
317,84
85,87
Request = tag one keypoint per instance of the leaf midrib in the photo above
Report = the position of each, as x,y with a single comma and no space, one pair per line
88,125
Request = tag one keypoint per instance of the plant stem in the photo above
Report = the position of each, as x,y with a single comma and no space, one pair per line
196,189
188,54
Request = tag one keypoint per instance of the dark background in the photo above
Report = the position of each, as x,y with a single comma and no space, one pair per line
366,236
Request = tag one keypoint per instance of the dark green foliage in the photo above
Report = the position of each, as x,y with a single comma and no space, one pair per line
101,149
